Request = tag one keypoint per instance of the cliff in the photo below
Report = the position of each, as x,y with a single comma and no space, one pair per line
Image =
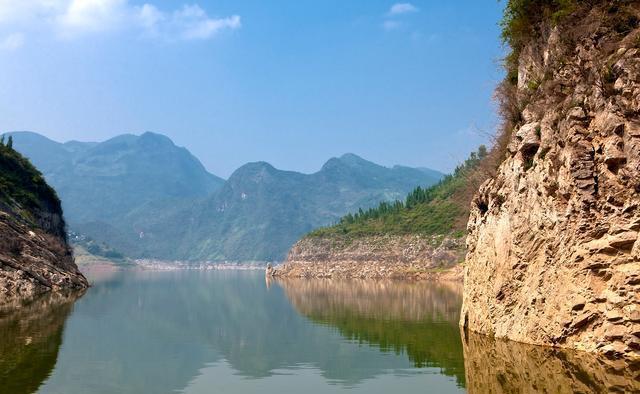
34,254
553,248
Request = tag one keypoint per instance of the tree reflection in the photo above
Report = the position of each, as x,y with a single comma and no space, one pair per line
419,319
30,337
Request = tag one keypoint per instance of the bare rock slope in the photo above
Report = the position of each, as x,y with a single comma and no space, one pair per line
374,257
553,251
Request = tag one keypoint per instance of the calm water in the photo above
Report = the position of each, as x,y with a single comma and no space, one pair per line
230,332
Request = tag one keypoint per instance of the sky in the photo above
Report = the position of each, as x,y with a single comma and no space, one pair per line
290,82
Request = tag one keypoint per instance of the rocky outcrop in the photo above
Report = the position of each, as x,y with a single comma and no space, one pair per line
33,261
374,257
554,247
34,254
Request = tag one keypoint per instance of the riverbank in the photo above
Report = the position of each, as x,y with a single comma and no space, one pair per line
406,257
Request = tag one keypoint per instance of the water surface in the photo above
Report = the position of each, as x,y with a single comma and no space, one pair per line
231,332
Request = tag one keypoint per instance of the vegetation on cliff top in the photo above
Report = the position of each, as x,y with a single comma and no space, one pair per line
23,190
441,209
524,20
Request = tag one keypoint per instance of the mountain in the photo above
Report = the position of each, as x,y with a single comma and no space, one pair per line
261,211
147,198
34,254
104,182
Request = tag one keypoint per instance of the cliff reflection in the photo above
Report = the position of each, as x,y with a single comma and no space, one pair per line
419,319
496,366
30,337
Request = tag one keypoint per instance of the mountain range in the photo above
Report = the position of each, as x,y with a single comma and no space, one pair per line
148,198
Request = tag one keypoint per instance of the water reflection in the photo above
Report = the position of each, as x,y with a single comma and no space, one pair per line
30,337
419,319
191,332
496,366
161,331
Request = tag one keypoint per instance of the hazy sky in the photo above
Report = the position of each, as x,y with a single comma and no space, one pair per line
289,82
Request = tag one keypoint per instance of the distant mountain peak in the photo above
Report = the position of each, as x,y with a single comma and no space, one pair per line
155,136
253,168
351,157
349,161
155,139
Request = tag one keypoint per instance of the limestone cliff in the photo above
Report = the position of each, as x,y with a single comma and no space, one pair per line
374,257
553,247
34,254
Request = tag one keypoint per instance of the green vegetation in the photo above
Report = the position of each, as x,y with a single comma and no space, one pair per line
521,17
520,21
441,209
23,190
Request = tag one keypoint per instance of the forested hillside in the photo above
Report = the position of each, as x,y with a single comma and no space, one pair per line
441,209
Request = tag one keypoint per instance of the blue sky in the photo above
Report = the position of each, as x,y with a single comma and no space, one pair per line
289,82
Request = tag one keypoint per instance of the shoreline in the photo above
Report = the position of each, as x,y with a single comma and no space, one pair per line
374,270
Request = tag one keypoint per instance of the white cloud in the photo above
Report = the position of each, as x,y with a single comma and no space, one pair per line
149,17
83,16
73,18
402,8
193,23
12,42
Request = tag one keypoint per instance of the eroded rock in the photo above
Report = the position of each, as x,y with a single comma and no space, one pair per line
558,263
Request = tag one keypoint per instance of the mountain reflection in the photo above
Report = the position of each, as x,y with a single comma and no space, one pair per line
161,332
30,337
158,331
496,366
419,319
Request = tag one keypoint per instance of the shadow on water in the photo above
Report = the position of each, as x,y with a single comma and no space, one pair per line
30,338
417,319
498,366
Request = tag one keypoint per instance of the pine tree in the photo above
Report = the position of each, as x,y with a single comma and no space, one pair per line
9,142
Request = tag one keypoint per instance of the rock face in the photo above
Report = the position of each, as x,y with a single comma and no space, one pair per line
553,251
34,254
374,257
33,261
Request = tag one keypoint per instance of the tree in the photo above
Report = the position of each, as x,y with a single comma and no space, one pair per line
9,142
482,152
